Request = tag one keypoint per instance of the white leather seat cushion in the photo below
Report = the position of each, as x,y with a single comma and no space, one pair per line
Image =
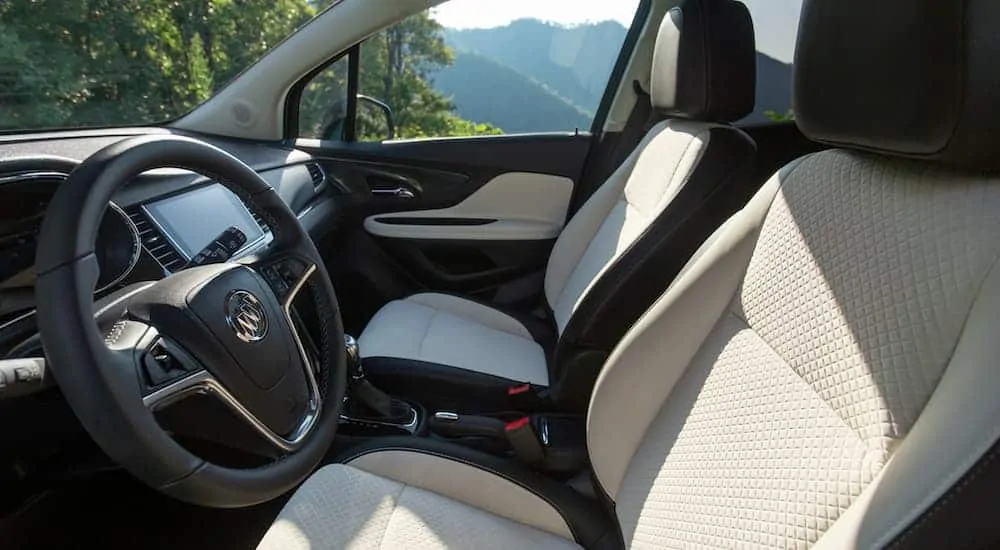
349,507
448,330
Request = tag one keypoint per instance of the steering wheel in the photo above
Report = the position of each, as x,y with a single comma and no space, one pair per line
225,330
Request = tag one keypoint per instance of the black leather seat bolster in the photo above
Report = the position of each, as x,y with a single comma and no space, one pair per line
721,184
591,522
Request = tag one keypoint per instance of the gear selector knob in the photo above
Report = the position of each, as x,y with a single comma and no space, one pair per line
353,357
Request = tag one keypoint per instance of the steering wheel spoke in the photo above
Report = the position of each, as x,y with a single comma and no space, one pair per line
222,330
202,382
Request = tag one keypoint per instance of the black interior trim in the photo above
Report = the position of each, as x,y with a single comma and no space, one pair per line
963,517
558,154
592,526
440,387
778,143
353,67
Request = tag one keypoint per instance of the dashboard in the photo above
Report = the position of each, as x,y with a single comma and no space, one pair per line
25,197
154,226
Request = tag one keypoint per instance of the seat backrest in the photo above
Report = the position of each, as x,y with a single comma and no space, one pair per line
703,76
825,368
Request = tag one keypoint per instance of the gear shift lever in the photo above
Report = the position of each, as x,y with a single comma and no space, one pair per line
362,391
355,370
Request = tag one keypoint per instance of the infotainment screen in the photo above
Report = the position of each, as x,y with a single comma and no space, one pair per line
194,218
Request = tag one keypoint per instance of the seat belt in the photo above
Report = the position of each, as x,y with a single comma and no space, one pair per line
607,155
640,120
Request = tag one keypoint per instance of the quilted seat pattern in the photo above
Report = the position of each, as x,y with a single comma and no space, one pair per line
343,507
868,274
850,309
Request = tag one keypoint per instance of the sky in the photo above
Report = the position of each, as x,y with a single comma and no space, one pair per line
775,21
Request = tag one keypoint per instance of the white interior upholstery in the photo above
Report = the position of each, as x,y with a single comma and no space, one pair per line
524,205
377,502
464,334
620,210
448,330
794,357
820,373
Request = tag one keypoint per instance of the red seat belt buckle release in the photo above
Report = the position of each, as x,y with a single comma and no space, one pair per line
518,390
524,441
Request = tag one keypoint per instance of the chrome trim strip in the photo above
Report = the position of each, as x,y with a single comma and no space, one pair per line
203,383
17,320
33,176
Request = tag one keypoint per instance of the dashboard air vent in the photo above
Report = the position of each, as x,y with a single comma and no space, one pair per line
317,174
154,242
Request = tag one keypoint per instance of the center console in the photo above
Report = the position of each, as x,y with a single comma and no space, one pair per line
552,443
368,411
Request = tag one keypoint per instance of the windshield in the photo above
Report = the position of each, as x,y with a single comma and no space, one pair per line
80,63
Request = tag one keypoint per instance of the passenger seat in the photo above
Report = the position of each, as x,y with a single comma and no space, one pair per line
618,252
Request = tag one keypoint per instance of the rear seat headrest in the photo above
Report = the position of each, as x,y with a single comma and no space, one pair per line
914,78
705,62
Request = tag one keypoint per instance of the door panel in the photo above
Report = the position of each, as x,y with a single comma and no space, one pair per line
478,268
475,216
514,206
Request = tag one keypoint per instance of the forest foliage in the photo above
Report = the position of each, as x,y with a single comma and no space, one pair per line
74,63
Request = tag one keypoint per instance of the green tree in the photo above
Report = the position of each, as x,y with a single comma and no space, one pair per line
775,116
108,62
66,63
396,65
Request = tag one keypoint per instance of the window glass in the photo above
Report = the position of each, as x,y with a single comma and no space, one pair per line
323,105
76,63
776,24
463,69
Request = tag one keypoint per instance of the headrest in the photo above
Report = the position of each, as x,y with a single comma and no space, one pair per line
705,62
914,78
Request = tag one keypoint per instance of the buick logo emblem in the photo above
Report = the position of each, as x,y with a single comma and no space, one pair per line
245,315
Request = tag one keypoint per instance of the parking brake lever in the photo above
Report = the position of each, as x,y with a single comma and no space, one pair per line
449,424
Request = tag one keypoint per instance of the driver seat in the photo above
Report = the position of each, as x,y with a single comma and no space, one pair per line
822,372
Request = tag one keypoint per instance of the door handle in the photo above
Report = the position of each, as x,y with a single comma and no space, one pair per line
393,192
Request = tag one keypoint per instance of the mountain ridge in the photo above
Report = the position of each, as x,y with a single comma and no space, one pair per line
556,75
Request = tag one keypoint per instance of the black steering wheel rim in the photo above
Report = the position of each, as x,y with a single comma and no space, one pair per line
109,401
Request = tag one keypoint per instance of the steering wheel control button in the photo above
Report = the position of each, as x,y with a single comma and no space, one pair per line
283,275
161,366
246,316
276,281
221,248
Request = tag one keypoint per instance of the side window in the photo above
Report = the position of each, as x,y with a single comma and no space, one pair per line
323,105
461,70
776,25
